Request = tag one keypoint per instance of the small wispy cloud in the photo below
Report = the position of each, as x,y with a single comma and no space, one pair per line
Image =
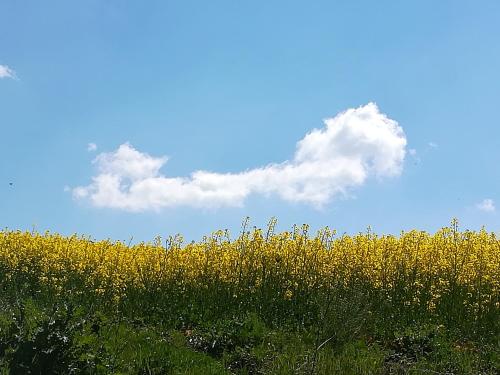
414,156
351,147
91,147
487,205
432,145
6,72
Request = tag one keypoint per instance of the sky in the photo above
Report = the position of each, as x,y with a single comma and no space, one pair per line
128,120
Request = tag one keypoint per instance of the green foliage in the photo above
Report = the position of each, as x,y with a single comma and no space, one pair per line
62,340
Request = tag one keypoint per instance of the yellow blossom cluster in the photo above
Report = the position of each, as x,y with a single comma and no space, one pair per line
425,266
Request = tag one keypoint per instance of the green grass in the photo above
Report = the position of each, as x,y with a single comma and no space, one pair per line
64,339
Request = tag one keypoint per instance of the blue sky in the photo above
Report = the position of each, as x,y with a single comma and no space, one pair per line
230,88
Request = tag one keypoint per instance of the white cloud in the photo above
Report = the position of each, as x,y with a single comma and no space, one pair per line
414,156
328,162
487,205
91,147
432,145
6,72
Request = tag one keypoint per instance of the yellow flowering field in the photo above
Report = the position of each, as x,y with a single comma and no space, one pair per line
403,296
417,267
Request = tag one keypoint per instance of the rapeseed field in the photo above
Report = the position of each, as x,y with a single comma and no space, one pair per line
264,302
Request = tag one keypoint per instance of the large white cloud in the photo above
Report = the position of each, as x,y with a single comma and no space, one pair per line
353,146
6,72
